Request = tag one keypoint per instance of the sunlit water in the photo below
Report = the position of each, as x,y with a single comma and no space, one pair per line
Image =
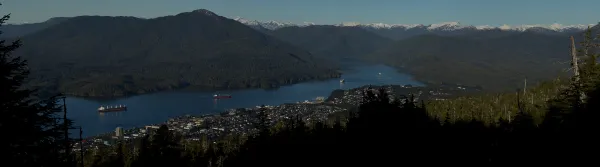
159,107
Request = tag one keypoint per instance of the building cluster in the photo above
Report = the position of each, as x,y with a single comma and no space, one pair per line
108,139
240,121
243,121
355,96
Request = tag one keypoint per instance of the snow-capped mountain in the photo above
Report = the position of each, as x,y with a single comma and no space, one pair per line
445,26
270,25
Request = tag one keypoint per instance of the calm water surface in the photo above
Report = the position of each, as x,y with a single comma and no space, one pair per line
159,107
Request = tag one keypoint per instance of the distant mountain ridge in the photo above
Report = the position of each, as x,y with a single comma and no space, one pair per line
500,63
444,26
18,30
404,31
332,42
394,31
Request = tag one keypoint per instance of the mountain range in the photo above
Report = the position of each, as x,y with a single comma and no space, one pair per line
402,31
444,26
115,56
18,30
104,56
12,30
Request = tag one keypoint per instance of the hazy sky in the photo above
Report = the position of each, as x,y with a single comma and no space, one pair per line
475,12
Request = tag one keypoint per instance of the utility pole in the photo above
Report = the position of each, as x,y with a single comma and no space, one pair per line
574,60
66,128
525,86
81,145
575,67
519,105
81,151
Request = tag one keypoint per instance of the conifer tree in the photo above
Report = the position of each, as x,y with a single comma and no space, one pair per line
119,160
590,71
263,122
35,133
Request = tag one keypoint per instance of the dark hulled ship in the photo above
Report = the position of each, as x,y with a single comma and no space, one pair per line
112,108
221,96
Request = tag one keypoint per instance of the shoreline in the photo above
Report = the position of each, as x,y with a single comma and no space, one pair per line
328,100
198,89
238,121
220,113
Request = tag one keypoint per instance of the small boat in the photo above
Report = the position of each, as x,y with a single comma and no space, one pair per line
342,81
112,108
222,96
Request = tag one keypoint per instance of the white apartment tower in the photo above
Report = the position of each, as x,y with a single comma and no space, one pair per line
119,132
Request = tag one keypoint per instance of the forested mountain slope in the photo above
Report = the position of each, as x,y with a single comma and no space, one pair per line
499,63
19,30
333,42
115,56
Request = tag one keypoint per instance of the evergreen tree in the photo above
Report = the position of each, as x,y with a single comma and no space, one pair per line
119,160
263,121
34,132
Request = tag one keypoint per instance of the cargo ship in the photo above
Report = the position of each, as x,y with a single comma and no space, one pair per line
221,96
112,108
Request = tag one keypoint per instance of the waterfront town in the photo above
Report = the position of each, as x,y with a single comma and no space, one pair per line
242,121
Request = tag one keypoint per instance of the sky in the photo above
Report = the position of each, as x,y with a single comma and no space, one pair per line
467,12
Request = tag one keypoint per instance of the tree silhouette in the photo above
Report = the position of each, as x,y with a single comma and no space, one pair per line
36,132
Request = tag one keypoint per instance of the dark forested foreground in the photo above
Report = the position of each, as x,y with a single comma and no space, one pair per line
381,132
33,131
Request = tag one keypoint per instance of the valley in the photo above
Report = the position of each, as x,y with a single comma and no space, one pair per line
126,58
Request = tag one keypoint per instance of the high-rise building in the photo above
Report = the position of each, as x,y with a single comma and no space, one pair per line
119,132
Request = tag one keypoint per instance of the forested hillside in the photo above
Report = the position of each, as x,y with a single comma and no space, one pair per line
333,42
117,56
20,30
405,32
490,108
500,63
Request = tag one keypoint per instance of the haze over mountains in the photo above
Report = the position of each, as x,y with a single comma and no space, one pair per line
446,26
402,31
497,58
114,56
380,28
18,30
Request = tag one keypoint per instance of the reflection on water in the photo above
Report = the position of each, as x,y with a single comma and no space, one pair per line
215,104
111,114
